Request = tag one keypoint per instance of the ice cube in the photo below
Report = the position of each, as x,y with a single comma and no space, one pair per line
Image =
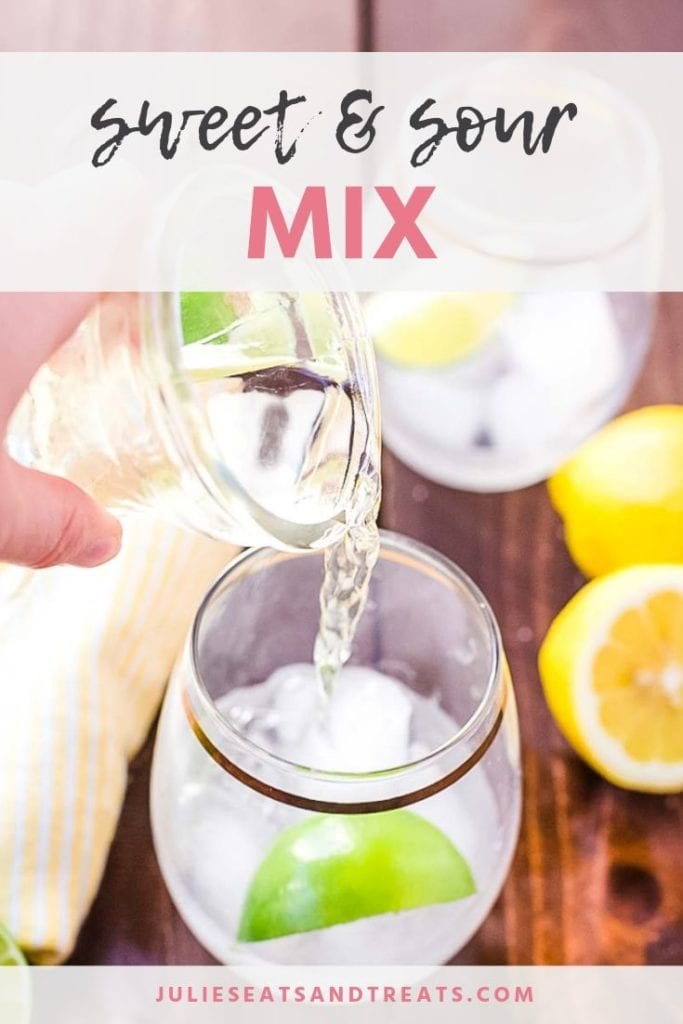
429,934
522,414
296,697
364,727
224,844
431,406
566,359
276,713
567,343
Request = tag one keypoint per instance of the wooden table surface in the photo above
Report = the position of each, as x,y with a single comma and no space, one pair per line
341,25
597,876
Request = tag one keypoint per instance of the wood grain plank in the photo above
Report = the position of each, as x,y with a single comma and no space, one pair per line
528,25
179,25
444,25
592,879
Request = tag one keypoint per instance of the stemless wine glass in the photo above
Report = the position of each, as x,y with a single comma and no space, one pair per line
490,391
223,799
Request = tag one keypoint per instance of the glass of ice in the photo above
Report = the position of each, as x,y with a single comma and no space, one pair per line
373,826
545,372
490,390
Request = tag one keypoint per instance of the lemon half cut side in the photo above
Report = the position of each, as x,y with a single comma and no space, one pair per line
612,671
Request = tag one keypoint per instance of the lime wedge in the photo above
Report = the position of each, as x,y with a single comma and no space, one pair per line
425,330
15,986
206,315
230,334
218,341
10,954
332,869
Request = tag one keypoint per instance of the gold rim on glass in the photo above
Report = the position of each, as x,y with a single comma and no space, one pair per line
199,707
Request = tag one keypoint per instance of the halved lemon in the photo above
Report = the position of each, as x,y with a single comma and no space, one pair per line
612,671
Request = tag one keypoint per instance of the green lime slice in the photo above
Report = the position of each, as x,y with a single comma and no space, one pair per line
15,986
227,334
322,327
10,954
206,315
331,869
220,341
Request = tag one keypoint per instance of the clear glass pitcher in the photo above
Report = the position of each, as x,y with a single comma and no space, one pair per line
251,418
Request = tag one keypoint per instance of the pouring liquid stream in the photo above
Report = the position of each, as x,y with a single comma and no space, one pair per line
346,581
288,427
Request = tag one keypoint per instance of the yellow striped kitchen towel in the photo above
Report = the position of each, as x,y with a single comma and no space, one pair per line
84,657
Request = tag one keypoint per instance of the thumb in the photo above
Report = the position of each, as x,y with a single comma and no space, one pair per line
45,521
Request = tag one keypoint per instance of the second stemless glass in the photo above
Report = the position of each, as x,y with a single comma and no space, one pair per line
496,388
220,800
552,369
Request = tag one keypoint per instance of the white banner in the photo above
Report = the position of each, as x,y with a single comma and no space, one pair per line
426,171
491,995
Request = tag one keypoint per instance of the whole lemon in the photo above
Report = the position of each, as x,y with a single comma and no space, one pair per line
621,494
